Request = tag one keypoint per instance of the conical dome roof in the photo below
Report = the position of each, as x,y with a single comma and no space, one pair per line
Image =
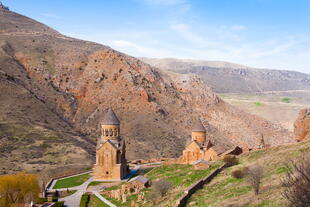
110,118
198,127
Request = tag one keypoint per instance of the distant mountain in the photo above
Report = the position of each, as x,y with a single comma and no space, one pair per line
54,91
224,77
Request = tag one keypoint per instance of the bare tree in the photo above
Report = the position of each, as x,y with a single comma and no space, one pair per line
161,187
254,177
297,183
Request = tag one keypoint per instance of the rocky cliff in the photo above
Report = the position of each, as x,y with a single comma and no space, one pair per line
55,89
302,125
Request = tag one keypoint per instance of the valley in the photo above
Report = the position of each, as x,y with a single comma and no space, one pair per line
85,125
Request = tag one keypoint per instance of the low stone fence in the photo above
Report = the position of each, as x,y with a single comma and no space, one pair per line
181,202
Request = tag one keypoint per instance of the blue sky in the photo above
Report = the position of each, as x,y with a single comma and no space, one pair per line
258,33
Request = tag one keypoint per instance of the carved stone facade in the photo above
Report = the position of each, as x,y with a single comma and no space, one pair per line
199,148
111,163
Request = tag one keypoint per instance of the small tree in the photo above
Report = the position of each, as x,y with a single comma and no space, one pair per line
254,175
297,183
159,189
18,188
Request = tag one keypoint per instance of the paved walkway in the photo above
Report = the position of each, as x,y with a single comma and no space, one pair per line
75,199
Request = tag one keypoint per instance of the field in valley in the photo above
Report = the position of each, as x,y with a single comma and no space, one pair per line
278,107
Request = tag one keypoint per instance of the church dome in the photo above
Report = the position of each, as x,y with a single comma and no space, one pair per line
198,127
110,118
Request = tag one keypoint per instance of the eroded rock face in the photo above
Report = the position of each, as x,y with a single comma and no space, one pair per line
302,125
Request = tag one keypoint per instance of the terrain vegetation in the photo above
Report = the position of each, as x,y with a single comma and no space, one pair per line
55,89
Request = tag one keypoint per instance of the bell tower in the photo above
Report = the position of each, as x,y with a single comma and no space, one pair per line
110,127
111,163
199,132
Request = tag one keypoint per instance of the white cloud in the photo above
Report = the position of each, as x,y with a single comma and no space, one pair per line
179,27
238,27
138,50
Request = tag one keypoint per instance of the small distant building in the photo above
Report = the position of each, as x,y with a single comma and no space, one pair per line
111,163
199,148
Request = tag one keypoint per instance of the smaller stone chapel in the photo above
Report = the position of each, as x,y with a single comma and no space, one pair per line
111,163
199,148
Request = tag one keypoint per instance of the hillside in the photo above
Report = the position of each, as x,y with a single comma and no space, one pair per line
225,190
237,78
60,85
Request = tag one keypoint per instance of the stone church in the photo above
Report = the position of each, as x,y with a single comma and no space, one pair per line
199,148
111,163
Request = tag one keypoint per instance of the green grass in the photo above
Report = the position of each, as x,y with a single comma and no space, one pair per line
96,202
180,177
84,200
94,183
286,100
72,181
258,103
262,204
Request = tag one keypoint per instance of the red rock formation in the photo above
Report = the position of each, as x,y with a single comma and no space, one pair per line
302,125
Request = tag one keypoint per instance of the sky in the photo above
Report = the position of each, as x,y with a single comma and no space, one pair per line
259,33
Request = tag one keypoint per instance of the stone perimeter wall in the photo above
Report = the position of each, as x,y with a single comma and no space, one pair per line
181,202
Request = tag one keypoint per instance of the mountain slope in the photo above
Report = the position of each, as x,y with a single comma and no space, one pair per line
237,78
69,83
225,190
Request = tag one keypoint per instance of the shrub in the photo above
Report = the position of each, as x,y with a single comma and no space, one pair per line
60,204
254,176
297,183
230,160
239,173
286,100
41,200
